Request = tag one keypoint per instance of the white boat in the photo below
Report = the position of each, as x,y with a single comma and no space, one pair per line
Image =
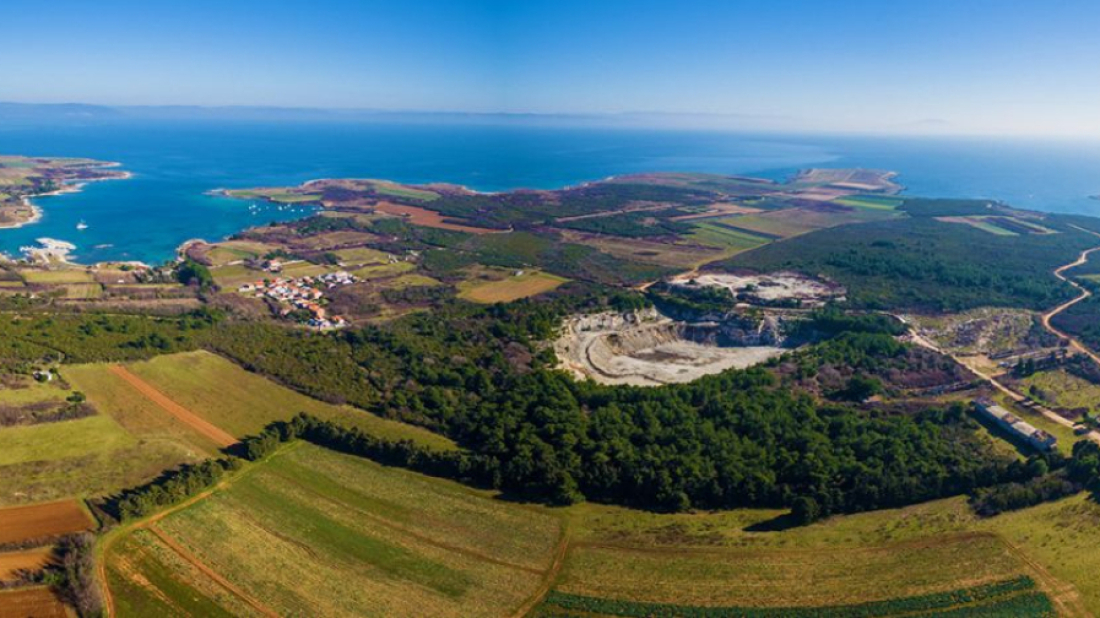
81,226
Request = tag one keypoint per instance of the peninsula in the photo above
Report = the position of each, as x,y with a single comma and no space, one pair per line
23,178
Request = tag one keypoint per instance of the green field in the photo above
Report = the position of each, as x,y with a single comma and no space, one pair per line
84,457
872,202
83,291
948,547
361,256
1064,390
132,439
312,532
411,280
19,390
243,403
237,250
382,271
727,238
771,224
396,190
236,275
293,270
67,275
275,195
1013,597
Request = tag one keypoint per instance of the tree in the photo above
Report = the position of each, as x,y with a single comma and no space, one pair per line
190,272
805,510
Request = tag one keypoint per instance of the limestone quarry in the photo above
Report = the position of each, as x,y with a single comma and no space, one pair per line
759,289
646,348
650,348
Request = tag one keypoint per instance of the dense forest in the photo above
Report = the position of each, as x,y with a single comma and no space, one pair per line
922,264
741,438
484,377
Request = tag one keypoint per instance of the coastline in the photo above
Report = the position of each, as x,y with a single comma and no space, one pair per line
73,186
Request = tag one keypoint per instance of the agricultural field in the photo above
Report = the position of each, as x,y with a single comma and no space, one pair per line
383,271
83,457
281,196
243,403
39,602
82,291
872,202
42,521
1013,597
235,275
1000,225
759,578
12,563
718,234
235,251
361,256
938,546
313,532
393,189
63,275
510,287
680,255
134,437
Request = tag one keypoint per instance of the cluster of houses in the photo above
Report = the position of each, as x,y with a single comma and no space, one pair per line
1012,424
303,294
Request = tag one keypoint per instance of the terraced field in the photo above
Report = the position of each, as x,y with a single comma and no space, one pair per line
313,532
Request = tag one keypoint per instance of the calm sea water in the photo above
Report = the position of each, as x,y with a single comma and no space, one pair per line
175,164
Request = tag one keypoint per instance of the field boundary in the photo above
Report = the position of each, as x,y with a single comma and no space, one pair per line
189,418
381,521
194,561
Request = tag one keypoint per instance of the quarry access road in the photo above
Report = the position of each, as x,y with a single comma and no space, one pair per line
1084,293
1049,414
1045,318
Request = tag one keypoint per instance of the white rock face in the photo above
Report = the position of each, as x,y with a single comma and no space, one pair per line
769,288
646,349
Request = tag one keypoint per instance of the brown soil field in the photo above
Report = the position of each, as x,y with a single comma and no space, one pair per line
12,562
196,422
35,521
428,218
36,602
515,288
718,210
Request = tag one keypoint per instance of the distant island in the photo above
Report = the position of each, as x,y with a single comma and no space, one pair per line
22,178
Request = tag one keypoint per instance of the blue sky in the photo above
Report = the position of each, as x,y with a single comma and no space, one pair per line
933,65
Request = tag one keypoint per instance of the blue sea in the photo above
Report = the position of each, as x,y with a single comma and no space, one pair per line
175,164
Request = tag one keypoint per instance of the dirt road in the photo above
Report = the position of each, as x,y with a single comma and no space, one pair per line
192,420
1046,317
1075,344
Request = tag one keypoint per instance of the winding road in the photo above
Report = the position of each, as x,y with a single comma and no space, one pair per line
1046,321
1085,293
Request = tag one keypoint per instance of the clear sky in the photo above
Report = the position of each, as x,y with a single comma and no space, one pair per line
988,66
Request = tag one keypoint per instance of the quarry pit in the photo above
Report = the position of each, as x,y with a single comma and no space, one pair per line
653,348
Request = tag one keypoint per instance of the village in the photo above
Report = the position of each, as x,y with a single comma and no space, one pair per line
304,296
